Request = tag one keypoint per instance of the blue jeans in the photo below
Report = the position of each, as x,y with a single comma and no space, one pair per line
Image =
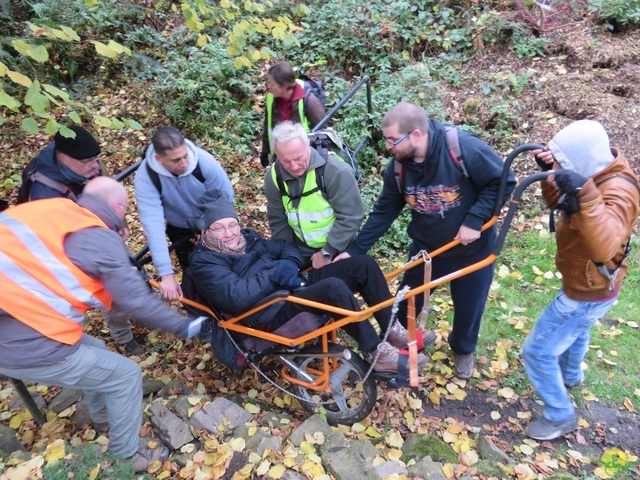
556,347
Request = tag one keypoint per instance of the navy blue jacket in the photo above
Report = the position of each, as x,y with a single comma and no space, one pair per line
441,197
47,164
234,283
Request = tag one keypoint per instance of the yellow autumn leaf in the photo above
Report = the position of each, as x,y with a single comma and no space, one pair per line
251,408
263,468
408,416
67,412
439,356
460,395
506,392
193,400
237,444
93,474
451,387
19,78
307,447
434,396
495,415
276,471
600,472
628,405
394,439
526,449
55,451
372,432
244,472
18,418
454,428
447,469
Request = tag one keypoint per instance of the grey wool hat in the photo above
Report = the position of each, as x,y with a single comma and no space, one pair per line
216,204
83,146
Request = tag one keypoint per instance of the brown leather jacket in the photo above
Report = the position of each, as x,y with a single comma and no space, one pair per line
609,206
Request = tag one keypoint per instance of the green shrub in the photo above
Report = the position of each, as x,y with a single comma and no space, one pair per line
617,12
379,37
200,90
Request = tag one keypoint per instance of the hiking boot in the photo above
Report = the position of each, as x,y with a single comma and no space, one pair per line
464,366
389,356
146,456
101,428
132,347
399,336
543,429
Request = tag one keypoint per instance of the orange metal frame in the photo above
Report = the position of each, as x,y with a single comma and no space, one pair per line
343,316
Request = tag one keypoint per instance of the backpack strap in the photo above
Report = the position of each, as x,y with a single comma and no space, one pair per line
612,273
155,178
54,184
397,172
283,191
453,143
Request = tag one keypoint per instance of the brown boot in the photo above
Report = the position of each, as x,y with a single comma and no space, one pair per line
399,337
389,356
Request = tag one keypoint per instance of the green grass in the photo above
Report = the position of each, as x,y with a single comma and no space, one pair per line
525,282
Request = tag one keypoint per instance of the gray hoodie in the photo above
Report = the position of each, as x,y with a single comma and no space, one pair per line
179,199
582,147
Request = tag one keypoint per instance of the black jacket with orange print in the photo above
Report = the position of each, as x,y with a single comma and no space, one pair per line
441,197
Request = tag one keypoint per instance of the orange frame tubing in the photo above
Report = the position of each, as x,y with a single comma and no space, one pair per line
321,383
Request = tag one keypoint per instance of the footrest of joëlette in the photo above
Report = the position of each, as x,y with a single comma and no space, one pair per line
392,379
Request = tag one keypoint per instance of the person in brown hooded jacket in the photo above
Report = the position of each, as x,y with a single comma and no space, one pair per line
597,193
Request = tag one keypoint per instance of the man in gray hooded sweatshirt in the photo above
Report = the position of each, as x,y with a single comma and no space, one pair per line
172,178
598,196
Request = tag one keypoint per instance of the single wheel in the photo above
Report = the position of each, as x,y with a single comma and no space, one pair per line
349,399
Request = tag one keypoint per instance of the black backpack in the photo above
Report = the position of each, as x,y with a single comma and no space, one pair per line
313,86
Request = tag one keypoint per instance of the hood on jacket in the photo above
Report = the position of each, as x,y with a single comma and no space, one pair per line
582,147
192,156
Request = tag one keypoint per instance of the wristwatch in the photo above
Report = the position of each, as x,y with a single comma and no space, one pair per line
326,255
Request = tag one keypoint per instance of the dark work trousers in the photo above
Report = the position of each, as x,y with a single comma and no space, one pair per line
181,241
362,274
334,292
468,293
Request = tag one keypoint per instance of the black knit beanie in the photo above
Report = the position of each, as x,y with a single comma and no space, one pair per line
81,147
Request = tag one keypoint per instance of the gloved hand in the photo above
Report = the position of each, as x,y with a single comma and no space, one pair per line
194,326
285,273
264,159
569,182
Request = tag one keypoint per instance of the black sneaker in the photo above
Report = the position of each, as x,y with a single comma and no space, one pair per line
132,347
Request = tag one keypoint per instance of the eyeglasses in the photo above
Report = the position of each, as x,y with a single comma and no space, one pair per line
87,161
220,230
395,143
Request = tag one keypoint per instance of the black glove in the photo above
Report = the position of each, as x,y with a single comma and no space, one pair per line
285,274
569,182
264,159
545,167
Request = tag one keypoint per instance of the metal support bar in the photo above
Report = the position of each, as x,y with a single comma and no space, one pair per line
28,401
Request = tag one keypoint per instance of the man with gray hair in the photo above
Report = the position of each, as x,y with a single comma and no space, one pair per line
168,184
311,202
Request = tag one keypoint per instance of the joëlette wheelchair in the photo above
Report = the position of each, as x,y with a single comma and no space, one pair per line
322,374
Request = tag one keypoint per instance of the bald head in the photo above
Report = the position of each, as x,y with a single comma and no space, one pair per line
408,116
110,192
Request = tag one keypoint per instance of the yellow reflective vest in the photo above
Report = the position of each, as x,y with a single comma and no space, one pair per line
269,102
41,286
310,215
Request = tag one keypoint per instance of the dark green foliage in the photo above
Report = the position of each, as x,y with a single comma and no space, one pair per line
200,90
617,13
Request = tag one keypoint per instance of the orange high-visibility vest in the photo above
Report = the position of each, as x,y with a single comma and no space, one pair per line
39,285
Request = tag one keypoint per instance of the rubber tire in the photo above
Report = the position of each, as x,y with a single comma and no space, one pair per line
359,407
